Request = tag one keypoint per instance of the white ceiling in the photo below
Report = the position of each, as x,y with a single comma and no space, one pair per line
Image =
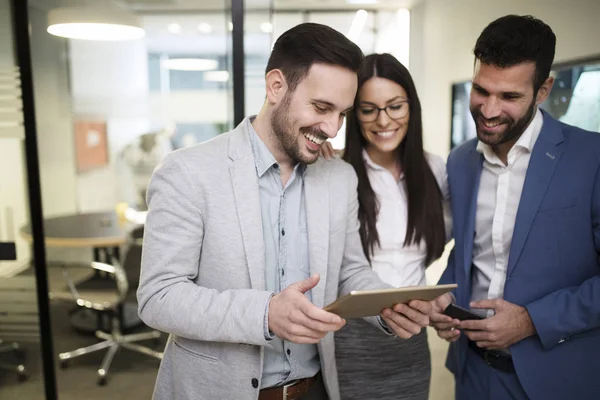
158,14
158,6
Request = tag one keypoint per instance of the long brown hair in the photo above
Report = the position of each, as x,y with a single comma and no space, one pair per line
425,212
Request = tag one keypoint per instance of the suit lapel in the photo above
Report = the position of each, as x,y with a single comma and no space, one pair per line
543,162
317,215
473,167
247,200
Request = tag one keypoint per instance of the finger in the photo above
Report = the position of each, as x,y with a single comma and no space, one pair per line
307,284
478,335
319,315
330,151
437,317
318,325
397,329
444,326
491,345
301,339
449,334
402,321
413,314
474,325
422,306
493,304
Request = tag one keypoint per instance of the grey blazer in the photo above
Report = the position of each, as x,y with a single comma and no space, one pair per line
203,278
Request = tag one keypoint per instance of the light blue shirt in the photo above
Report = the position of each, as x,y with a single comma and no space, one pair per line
285,235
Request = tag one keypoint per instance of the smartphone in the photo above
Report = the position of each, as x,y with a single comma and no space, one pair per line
460,313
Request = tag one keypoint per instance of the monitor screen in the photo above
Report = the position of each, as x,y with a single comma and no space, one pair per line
575,97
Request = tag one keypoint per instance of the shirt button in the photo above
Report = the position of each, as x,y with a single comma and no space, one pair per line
288,352
282,272
254,383
283,232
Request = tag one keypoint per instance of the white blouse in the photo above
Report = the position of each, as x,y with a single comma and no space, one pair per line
396,264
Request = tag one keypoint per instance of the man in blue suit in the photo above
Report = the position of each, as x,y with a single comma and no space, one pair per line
525,198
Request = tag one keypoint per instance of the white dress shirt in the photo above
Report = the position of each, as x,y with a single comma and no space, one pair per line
396,264
497,204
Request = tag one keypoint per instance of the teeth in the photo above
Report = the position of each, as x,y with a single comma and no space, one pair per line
491,125
385,134
314,139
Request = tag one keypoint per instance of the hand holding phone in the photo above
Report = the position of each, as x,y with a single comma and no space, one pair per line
460,313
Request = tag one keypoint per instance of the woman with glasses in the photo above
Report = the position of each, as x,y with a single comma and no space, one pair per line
401,191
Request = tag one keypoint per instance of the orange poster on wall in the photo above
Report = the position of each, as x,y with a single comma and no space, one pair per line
90,145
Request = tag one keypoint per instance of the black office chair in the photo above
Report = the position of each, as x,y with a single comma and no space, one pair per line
110,301
18,367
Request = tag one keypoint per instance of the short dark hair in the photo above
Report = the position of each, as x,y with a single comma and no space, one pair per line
425,213
297,49
514,39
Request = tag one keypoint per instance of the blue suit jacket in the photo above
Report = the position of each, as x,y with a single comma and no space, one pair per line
554,262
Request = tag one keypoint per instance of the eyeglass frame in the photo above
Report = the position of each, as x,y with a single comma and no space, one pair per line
380,109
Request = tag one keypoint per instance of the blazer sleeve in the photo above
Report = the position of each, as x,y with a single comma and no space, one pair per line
572,310
168,296
355,272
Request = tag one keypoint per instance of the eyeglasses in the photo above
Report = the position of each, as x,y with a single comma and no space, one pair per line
394,111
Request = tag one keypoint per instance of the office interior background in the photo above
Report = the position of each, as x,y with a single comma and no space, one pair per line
84,122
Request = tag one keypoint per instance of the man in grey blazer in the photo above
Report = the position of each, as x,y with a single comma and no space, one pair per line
249,235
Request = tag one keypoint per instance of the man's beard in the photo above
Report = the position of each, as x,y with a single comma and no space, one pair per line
513,129
284,132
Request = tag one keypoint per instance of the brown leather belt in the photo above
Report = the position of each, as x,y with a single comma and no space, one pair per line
288,392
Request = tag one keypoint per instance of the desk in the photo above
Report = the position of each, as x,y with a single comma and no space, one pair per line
100,231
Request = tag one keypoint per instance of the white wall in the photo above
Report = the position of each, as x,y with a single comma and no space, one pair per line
109,82
444,32
53,118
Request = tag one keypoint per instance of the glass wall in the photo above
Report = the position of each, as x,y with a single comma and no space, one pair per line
21,368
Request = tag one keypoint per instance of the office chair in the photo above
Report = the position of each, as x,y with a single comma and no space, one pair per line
110,301
19,355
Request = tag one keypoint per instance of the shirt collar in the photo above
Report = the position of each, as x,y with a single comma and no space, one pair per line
263,158
525,142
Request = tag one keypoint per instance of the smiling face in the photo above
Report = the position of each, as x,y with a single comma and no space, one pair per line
503,101
314,112
383,133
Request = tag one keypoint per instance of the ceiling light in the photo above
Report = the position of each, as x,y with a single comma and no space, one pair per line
266,27
190,64
216,76
358,23
108,24
174,28
203,27
362,1
230,26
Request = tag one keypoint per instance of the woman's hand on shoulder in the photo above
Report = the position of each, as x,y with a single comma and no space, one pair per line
327,151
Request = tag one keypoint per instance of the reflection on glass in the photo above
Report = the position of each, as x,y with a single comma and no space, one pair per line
107,113
21,372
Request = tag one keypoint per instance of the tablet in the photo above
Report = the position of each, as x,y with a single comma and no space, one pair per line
368,303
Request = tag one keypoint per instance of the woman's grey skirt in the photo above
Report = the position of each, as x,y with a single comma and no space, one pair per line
372,365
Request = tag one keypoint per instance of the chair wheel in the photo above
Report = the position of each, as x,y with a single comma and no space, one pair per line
64,364
102,381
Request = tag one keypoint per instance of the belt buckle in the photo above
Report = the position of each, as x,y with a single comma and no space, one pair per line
485,357
285,390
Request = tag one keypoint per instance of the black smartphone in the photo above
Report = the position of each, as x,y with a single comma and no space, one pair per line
460,313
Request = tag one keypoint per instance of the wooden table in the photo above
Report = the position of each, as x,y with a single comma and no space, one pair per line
100,231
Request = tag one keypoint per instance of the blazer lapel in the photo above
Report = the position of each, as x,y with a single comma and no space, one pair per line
247,200
543,162
473,167
317,215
